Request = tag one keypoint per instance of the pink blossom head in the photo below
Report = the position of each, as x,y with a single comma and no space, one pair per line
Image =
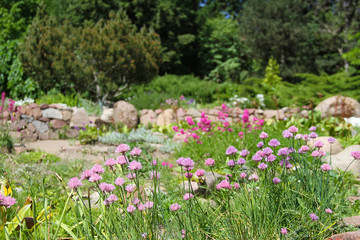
121,160
264,135
260,144
188,164
306,137
135,166
174,207
304,149
131,208
243,175
130,188
293,129
270,158
298,136
95,177
209,162
224,184
276,180
236,185
200,172
135,201
283,231
97,168
105,187
325,167
231,163
287,134
175,128
274,143
179,161
75,183
314,217
318,144
283,152
122,148
254,177
7,201
313,135
119,181
244,153
190,121
267,151
154,175
257,158
312,129
331,140
262,166
111,199
231,151
110,162
141,207
131,176
241,161
149,204
188,175
355,155
135,152
328,210
187,196
86,174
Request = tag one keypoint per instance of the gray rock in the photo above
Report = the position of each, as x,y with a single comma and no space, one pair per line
193,112
339,106
107,115
125,113
147,117
79,118
211,179
194,186
343,159
40,126
346,236
27,118
52,113
354,220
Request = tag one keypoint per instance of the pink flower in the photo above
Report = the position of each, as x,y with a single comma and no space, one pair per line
244,153
190,121
312,129
236,186
264,135
135,201
141,207
241,161
298,136
257,158
97,168
315,154
293,129
200,172
314,217
313,135
105,187
325,167
154,175
86,174
122,148
254,177
267,151
306,137
283,152
187,196
175,128
304,149
262,166
274,143
270,158
135,166
121,160
110,162
283,231
119,181
231,151
188,175
231,163
331,140
7,201
223,184
355,155
149,204
111,199
241,134
287,134
209,162
131,209
130,188
243,175
131,176
260,144
95,177
135,152
174,207
328,210
276,180
318,144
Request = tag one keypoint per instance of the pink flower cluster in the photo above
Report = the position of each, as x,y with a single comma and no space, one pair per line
7,201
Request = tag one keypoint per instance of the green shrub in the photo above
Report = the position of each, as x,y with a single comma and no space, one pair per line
37,157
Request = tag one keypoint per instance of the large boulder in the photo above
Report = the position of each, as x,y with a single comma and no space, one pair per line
125,113
339,106
147,116
107,115
343,159
79,118
335,147
52,113
166,117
